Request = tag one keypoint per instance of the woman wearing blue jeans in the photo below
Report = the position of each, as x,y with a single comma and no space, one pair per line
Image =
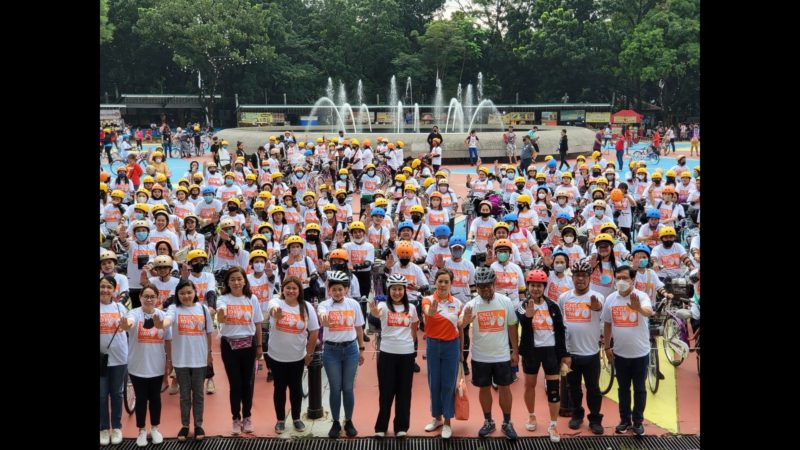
114,345
341,319
443,349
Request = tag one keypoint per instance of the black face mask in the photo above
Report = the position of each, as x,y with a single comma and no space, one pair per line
485,214
197,267
341,200
312,237
404,261
232,208
520,187
416,218
257,247
668,244
263,215
342,267
595,174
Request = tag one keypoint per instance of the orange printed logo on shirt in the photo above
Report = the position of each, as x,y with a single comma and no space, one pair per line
370,185
554,290
202,288
290,323
398,319
479,186
215,181
341,320
108,322
670,261
412,279
181,211
484,233
491,321
525,222
460,277
190,325
596,277
506,280
447,200
311,217
113,215
541,210
623,316
207,213
137,252
358,256
151,336
292,217
297,271
577,312
436,218
341,214
666,213
542,320
239,314
261,292
227,195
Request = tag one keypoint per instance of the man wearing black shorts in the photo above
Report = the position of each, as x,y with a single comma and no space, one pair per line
493,322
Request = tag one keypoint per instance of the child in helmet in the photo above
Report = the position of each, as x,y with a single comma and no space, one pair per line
481,230
557,281
230,189
437,214
648,233
297,264
523,239
406,230
510,280
519,183
439,252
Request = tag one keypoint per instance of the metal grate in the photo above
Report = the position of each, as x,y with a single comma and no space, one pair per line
670,442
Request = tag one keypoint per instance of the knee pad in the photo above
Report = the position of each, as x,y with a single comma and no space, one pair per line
552,391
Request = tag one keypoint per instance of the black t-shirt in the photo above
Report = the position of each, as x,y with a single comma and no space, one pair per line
214,148
434,135
564,146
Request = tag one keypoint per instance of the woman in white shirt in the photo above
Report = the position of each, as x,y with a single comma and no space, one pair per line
114,350
147,361
343,352
293,336
399,323
192,326
239,315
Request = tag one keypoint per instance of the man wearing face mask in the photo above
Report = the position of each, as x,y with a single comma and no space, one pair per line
668,256
569,238
209,209
582,309
625,318
369,184
480,187
211,175
438,254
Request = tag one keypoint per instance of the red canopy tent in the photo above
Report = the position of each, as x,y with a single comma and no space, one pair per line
626,116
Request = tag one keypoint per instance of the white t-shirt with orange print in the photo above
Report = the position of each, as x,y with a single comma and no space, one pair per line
669,260
146,352
190,325
481,230
343,318
241,315
490,322
509,280
288,336
630,330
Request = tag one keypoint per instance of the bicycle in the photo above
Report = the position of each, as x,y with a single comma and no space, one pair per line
652,157
653,368
606,372
128,394
117,161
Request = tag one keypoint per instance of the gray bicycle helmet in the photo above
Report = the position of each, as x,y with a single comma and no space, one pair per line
396,280
484,275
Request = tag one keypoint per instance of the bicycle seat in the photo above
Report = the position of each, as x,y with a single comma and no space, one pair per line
683,314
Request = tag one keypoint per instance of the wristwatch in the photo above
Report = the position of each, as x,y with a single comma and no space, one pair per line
362,348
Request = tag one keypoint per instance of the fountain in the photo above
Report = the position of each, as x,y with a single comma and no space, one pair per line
483,104
458,94
341,98
416,117
329,88
468,101
438,100
408,97
399,116
339,122
345,109
393,100
458,116
361,116
360,92
480,86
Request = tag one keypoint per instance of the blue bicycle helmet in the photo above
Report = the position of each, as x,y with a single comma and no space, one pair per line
552,163
442,231
510,217
653,213
561,252
308,153
640,248
458,240
379,212
208,190
565,216
404,224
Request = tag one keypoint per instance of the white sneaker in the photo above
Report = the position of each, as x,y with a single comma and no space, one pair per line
210,388
554,436
156,435
531,425
401,434
116,436
141,441
105,438
379,434
173,388
435,423
446,432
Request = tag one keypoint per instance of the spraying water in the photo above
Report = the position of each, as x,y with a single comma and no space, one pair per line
360,92
329,88
341,98
438,100
339,123
393,99
458,93
452,111
408,97
480,86
364,115
487,104
400,119
344,110
416,117
468,101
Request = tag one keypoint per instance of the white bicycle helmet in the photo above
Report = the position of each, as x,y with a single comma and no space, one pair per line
484,275
396,280
338,277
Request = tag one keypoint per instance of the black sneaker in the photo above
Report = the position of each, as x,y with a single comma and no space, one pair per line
638,429
575,423
508,430
595,427
299,425
487,428
366,338
416,367
349,429
183,434
623,427
660,375
199,434
336,429
269,376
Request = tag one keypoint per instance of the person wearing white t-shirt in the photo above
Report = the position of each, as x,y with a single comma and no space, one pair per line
582,309
397,352
162,233
108,264
147,357
342,323
140,252
481,230
436,155
625,318
648,232
239,315
668,257
494,326
164,282
294,328
557,281
438,254
510,280
189,237
192,326
647,279
114,349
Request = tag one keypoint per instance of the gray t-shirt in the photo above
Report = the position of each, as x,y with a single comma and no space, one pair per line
526,151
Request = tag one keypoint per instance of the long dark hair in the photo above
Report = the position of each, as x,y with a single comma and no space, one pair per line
182,284
300,301
390,302
226,288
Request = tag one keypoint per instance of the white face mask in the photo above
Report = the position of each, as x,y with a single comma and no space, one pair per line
559,267
640,177
541,195
258,267
358,240
443,242
443,189
569,239
623,286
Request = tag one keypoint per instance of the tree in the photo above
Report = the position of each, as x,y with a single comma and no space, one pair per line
106,29
208,37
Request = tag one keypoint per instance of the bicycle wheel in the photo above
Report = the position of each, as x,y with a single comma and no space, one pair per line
672,340
129,395
606,373
652,367
653,158
116,164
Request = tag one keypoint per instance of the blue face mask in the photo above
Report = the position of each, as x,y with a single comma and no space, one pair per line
371,173
299,174
141,235
268,236
503,257
139,216
229,182
598,212
605,279
343,177
208,198
643,263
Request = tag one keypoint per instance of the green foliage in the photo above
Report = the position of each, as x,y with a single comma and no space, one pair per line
106,29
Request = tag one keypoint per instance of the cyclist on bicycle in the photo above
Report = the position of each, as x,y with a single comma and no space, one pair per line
437,254
480,231
124,184
291,213
377,232
569,239
668,256
234,212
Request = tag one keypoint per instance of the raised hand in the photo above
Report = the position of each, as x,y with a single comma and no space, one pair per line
467,315
277,313
595,303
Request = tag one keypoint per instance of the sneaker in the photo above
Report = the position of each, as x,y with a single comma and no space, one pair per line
299,425
173,389
183,434
335,430
105,437
596,428
269,376
199,433
349,429
575,423
638,429
401,434
416,367
116,436
531,425
366,338
280,427
552,430
487,428
508,430
247,425
446,432
623,427
157,437
141,441
210,388
435,423
379,434
661,375
236,429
